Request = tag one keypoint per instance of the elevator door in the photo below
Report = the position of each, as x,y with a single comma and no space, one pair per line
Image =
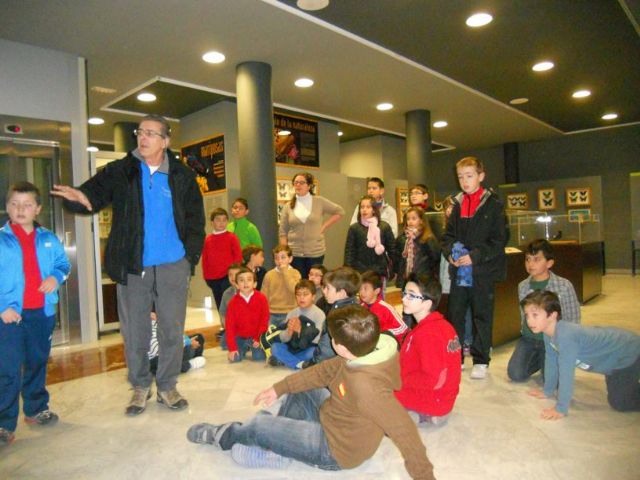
36,161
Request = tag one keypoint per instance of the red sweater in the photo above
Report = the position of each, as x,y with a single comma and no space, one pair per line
246,319
430,367
219,251
389,319
32,298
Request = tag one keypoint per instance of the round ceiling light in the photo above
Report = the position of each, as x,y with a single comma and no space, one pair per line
384,106
610,116
543,66
213,57
146,97
284,133
312,5
92,149
303,82
440,124
340,133
479,19
518,101
581,94
96,121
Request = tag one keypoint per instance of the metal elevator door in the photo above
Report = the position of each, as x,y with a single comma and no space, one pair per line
36,161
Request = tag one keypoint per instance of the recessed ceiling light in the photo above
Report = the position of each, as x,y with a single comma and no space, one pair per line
610,116
384,106
340,133
104,90
92,149
147,97
312,4
479,20
213,57
96,121
543,66
518,101
284,133
440,124
581,94
303,82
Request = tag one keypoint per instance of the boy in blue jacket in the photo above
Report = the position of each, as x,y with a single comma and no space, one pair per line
611,351
33,265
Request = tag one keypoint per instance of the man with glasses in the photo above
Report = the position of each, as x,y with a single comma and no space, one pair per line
155,243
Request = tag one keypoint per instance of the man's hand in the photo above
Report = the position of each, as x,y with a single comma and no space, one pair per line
293,326
71,194
463,261
233,355
537,393
551,414
10,316
266,397
48,285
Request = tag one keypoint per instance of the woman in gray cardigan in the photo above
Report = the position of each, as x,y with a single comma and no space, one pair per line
302,224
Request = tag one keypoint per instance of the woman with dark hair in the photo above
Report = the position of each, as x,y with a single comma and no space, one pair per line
303,224
370,243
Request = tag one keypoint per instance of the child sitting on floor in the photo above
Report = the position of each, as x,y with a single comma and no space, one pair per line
191,354
390,319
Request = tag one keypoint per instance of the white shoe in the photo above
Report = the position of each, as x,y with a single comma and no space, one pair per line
197,362
479,371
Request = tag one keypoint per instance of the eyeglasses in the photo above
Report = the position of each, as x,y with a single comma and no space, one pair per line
412,296
299,182
141,132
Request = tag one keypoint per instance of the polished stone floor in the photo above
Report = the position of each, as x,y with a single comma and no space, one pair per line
494,433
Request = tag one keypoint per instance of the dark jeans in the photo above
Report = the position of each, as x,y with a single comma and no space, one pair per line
295,433
480,298
246,344
218,286
24,351
187,354
304,264
526,359
623,389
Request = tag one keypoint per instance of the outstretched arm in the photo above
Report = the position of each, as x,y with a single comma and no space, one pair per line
72,194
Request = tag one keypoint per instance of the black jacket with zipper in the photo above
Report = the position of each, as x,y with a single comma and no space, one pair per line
119,184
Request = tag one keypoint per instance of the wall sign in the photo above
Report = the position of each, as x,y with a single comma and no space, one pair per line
296,141
206,159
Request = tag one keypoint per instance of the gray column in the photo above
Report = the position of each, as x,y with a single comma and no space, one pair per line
418,130
123,138
256,151
511,162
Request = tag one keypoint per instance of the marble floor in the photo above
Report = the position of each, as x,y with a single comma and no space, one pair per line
494,432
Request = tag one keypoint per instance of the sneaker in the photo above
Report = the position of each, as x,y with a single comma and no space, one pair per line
138,401
308,363
220,333
6,437
274,362
479,371
197,362
207,433
256,457
45,417
172,399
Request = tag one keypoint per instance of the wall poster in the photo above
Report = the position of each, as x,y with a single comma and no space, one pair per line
206,159
296,141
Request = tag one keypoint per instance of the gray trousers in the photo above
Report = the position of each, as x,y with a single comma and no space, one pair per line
165,285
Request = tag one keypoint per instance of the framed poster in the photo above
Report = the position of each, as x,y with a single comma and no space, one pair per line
296,141
579,215
206,159
578,197
518,201
402,202
547,199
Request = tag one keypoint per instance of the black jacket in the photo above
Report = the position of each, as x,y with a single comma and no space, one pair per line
362,258
485,235
119,184
426,259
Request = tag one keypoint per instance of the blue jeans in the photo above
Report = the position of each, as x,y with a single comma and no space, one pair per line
304,264
246,344
324,350
277,318
281,352
295,433
24,351
526,359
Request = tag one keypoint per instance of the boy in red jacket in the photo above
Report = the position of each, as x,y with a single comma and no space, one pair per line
247,318
430,355
221,249
390,319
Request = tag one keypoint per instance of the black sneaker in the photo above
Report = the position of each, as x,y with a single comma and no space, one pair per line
308,363
138,401
207,433
172,399
46,417
6,437
274,362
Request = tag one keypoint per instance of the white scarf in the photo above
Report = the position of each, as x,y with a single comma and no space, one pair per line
302,210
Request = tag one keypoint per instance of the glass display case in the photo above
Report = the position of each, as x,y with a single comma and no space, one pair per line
580,226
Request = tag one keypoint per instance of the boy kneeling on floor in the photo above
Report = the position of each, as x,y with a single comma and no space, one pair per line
334,414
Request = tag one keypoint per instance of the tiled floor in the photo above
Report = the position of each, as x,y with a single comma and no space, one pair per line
494,433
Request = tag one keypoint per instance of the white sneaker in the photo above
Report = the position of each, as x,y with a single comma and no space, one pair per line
479,371
197,362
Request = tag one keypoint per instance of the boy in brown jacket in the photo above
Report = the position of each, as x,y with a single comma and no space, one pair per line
333,415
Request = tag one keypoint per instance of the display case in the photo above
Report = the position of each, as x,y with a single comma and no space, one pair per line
579,226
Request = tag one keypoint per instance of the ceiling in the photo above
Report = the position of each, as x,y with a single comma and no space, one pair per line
416,54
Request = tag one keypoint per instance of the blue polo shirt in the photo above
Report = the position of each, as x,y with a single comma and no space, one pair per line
161,241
